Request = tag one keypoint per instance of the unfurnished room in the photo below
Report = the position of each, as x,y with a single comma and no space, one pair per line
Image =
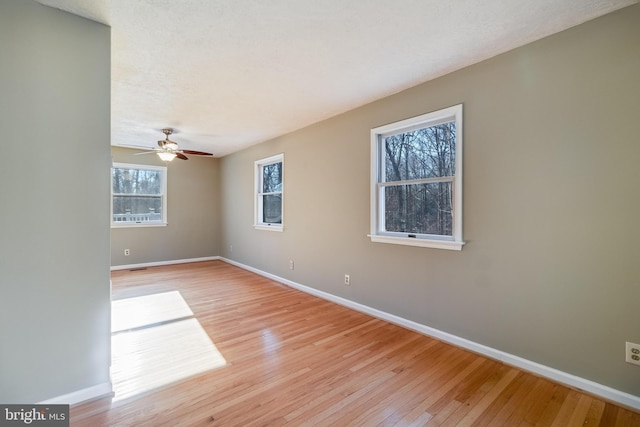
330,213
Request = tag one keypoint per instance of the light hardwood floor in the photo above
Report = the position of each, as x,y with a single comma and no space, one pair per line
259,353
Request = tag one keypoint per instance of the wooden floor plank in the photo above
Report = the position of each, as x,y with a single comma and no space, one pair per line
427,382
488,398
594,414
447,372
567,409
294,359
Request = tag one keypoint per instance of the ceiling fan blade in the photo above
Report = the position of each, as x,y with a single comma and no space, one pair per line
144,152
181,156
196,153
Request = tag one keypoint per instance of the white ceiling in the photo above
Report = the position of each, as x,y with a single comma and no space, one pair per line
231,73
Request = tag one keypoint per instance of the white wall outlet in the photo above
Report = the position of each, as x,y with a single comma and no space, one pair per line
127,252
347,280
230,248
290,264
633,353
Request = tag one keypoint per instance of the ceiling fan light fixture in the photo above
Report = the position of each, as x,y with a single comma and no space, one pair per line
167,156
168,150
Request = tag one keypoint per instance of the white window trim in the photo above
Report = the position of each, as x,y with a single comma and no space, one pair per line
165,220
377,235
258,165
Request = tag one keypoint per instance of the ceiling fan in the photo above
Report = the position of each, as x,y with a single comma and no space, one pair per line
169,149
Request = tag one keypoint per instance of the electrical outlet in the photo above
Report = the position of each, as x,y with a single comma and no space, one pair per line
347,280
230,248
633,353
290,264
127,252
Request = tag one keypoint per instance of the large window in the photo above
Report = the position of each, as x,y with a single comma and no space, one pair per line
138,195
268,188
416,181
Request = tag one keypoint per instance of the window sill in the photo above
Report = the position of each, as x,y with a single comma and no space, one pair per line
423,243
268,227
139,224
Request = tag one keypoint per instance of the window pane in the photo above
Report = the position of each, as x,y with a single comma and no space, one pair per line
419,208
137,181
137,208
272,178
272,208
422,153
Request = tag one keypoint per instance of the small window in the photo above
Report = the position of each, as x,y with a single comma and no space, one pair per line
138,195
268,189
416,181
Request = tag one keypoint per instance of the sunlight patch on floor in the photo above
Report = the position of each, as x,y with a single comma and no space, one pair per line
132,313
162,348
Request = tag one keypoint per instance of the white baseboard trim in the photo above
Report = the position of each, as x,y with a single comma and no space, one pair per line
79,396
603,391
155,264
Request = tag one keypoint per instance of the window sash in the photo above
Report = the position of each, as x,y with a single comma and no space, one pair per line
274,209
414,151
382,214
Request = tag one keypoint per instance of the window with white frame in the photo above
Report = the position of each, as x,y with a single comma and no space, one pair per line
138,195
416,181
269,193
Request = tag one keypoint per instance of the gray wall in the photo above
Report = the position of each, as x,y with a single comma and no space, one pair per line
193,229
54,203
550,271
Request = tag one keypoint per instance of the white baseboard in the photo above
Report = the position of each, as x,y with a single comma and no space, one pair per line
79,396
605,392
155,264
